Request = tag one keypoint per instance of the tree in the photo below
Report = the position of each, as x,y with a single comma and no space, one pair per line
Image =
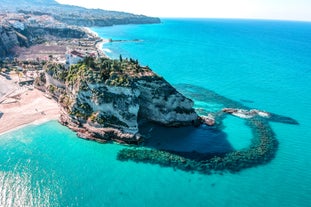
121,59
89,61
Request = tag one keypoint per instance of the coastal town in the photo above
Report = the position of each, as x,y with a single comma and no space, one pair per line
34,34
20,102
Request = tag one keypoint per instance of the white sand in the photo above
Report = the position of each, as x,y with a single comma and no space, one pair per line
32,107
6,86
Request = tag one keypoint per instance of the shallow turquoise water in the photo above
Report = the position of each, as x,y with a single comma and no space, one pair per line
266,63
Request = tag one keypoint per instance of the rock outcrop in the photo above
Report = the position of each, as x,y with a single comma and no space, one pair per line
108,99
10,38
161,103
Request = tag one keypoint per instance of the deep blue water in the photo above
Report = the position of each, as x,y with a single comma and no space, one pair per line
262,64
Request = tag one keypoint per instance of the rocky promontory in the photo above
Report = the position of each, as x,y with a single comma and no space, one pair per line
104,99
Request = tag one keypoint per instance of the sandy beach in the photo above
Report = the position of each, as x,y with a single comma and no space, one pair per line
20,106
30,107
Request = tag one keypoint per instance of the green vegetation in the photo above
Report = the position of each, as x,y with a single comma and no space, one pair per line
55,70
65,101
81,110
122,72
51,89
101,72
109,120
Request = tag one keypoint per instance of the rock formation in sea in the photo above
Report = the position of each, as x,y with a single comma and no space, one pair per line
262,149
104,99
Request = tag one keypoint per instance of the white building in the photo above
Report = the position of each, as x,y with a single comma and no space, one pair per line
73,57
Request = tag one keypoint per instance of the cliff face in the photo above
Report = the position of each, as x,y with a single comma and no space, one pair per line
11,37
24,23
40,32
108,100
106,21
75,15
161,103
102,105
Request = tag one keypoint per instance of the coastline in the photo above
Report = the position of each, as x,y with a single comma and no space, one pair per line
32,107
36,122
99,44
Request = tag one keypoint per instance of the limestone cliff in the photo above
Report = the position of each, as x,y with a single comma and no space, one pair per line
11,37
108,99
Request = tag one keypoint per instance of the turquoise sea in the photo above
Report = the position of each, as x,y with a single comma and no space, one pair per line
262,64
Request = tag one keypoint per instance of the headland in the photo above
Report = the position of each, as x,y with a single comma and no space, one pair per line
108,100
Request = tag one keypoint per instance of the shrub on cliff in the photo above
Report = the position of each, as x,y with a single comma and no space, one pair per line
103,70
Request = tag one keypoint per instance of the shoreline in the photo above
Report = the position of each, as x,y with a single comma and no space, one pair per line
100,44
36,122
32,107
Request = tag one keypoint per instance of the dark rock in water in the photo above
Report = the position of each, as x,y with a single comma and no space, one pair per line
282,119
262,150
243,113
246,101
229,110
205,95
208,120
202,139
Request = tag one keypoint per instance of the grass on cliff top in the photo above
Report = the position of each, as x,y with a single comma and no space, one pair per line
122,72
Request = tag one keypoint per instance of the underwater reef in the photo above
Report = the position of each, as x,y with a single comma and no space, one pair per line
262,149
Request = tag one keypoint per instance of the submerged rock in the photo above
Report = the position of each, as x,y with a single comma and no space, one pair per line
251,113
106,100
261,151
209,120
243,113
